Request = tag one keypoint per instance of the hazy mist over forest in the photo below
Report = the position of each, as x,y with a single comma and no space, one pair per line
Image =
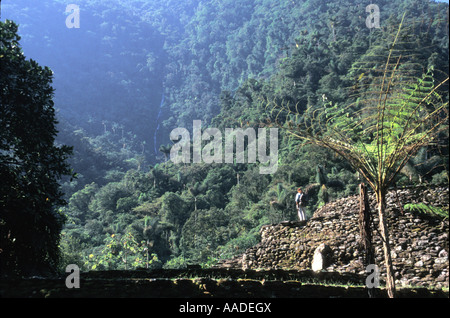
134,70
117,65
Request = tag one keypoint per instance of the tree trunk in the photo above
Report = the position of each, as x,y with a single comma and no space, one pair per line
365,225
390,282
365,230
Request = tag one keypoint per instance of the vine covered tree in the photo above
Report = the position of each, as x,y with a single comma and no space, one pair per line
394,113
30,162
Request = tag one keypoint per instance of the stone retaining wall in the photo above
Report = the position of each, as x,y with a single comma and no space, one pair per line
419,242
225,284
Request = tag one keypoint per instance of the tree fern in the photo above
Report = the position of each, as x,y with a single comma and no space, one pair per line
391,112
427,209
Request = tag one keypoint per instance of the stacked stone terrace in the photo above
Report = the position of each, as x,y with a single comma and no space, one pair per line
419,242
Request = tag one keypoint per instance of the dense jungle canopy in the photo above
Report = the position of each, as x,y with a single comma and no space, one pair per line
135,70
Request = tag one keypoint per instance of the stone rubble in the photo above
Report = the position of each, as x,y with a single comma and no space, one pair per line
419,242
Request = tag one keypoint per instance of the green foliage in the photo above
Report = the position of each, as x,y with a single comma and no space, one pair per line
222,62
123,252
394,113
427,209
383,122
30,163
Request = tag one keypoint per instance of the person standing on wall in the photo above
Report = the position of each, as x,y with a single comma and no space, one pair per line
299,204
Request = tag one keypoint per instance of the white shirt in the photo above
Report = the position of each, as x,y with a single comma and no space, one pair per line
298,197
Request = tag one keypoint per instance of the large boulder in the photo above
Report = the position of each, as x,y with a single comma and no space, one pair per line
322,257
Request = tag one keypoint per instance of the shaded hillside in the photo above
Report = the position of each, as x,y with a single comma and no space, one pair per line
137,69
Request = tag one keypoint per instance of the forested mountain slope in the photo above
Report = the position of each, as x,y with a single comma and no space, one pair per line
135,70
